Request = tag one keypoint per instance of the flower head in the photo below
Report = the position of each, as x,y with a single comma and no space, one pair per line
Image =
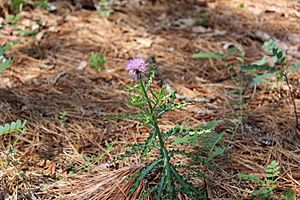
137,68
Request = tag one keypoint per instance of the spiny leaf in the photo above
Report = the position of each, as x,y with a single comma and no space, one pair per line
192,137
148,192
137,101
143,174
176,131
132,88
151,76
161,187
188,188
168,174
149,143
135,148
181,140
197,158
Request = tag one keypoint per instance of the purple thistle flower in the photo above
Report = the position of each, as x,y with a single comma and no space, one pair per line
137,68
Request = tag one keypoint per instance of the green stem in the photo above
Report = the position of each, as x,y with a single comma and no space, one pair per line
153,118
164,151
292,98
147,97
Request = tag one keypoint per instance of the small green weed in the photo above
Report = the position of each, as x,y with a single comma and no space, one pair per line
6,62
268,184
203,19
16,6
63,117
97,61
43,5
233,54
280,70
241,5
104,8
11,127
28,32
12,19
92,160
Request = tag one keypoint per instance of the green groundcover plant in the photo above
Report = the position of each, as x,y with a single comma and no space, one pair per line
280,70
267,185
5,63
173,179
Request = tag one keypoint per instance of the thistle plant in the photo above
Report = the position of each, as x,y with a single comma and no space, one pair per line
153,104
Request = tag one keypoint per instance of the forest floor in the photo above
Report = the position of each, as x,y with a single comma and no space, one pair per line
67,149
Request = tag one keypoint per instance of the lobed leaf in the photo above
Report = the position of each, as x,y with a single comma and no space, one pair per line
149,143
147,192
143,175
135,148
187,187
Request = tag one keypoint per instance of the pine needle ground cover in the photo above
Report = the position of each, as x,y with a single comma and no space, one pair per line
63,72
